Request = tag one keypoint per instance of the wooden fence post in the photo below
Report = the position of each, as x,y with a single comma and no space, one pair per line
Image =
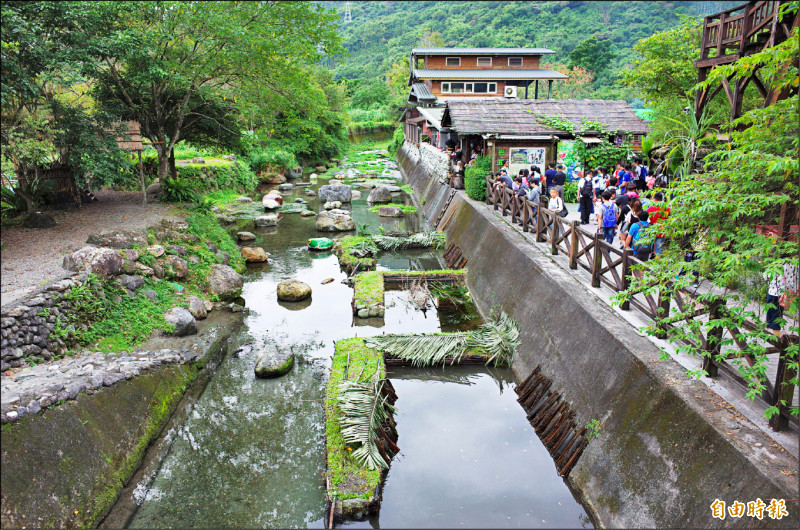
554,234
573,245
784,390
626,272
539,224
663,309
526,211
713,341
597,263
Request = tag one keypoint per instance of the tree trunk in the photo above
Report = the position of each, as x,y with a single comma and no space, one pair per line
172,170
163,162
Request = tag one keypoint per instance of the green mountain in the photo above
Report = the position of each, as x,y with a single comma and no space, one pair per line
381,33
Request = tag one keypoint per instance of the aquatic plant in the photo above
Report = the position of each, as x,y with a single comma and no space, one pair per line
421,239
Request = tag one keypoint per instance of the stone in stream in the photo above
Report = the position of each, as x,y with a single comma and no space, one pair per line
300,200
272,362
321,169
380,194
356,194
307,213
243,199
286,187
390,211
197,307
335,192
293,291
335,221
273,178
254,255
266,220
225,218
184,322
245,236
271,202
326,281
332,205
224,282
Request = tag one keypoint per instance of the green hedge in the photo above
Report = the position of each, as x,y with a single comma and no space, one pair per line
475,178
217,174
277,161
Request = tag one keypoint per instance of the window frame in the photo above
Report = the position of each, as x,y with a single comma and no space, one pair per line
448,59
478,61
520,61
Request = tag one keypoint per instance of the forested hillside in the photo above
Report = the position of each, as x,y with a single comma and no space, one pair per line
599,35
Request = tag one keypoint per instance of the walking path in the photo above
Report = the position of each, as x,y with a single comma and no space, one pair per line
31,257
729,390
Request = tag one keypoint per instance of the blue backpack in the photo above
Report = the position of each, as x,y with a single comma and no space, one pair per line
609,216
641,248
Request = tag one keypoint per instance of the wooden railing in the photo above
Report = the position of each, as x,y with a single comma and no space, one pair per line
728,34
615,268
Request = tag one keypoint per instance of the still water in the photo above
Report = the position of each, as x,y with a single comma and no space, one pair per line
251,453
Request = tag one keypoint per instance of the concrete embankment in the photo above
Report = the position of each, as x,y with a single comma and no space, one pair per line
668,446
65,466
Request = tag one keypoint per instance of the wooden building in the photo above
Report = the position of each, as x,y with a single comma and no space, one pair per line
509,130
479,72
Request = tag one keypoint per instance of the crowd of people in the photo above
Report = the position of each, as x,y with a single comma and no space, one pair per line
623,203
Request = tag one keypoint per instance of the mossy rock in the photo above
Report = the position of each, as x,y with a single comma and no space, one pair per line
273,363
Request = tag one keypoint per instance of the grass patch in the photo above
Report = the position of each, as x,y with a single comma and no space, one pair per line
348,479
344,247
207,228
368,288
222,197
407,208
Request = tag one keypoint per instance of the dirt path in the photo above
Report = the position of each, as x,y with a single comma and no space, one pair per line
32,257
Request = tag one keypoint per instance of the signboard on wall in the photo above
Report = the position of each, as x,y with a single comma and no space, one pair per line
566,155
525,157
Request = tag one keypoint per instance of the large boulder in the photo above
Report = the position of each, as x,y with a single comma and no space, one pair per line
380,194
224,282
38,220
154,191
390,211
184,322
293,291
266,220
335,192
118,238
197,307
272,362
295,172
105,262
273,178
335,221
254,254
175,267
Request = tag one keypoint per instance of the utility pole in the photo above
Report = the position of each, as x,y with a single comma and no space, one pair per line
348,17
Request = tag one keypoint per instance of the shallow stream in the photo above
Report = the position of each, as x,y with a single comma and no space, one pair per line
251,452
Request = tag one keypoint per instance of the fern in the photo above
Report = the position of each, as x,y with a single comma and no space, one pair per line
365,412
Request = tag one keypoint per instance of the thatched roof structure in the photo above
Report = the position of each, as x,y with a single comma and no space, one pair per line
519,116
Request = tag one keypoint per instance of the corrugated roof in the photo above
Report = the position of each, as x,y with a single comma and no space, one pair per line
479,51
433,115
492,74
422,92
518,116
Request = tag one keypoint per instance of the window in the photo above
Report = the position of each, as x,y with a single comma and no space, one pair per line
515,61
484,88
484,61
454,88
452,61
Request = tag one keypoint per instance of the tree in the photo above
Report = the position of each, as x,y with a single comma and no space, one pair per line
578,86
720,214
46,113
592,55
168,63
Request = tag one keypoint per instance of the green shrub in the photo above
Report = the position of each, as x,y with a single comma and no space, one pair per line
276,161
475,178
178,190
217,174
571,192
398,137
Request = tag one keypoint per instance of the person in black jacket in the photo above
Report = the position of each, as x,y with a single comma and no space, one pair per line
558,181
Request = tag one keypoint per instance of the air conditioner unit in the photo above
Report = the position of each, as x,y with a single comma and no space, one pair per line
510,92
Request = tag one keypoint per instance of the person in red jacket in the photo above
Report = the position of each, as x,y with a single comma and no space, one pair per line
658,211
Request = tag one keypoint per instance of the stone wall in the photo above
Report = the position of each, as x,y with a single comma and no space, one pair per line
27,326
668,446
436,162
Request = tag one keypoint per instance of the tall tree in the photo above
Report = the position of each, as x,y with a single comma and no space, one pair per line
592,54
169,63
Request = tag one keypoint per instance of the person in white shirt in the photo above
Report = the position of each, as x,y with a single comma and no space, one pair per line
555,204
782,290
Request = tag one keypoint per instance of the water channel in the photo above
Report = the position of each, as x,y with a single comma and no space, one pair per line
251,452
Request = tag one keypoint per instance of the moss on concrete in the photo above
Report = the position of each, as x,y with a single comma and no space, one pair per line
348,479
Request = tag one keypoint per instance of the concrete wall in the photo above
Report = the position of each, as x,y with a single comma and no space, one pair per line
668,446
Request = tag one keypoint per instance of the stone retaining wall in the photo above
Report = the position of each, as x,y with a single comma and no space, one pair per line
668,446
27,326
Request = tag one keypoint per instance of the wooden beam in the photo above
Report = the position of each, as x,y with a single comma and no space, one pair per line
716,61
759,85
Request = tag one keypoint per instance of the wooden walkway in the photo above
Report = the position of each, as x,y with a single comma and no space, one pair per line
611,269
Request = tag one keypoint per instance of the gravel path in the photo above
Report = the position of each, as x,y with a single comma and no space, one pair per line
32,257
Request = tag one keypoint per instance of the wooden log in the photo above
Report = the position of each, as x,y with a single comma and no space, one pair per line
568,452
565,442
534,410
550,404
574,459
573,245
539,394
548,415
530,376
530,388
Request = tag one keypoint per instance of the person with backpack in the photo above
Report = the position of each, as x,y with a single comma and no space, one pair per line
607,217
658,211
598,184
637,231
556,203
585,196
